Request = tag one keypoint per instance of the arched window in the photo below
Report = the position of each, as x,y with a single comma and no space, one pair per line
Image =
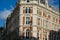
27,33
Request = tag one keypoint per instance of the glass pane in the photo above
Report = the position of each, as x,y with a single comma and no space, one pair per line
27,33
46,24
27,20
38,21
27,10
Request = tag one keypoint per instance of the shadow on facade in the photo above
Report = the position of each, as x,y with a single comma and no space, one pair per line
2,33
12,35
26,38
15,36
54,35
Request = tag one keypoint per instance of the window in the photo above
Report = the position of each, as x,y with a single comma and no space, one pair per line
52,26
49,17
38,1
38,34
27,20
42,1
11,29
44,13
56,20
38,21
27,10
28,0
46,24
53,19
27,33
38,11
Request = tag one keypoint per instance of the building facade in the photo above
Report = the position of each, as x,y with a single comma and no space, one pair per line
34,18
2,33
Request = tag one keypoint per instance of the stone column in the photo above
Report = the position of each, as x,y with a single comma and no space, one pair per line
39,35
42,34
46,3
47,35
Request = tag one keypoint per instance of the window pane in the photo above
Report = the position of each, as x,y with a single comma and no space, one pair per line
46,24
27,20
27,33
38,11
52,26
38,21
27,10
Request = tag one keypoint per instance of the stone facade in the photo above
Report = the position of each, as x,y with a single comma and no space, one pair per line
34,18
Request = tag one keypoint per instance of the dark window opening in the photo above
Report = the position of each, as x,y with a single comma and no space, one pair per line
27,10
28,0
27,33
27,20
42,1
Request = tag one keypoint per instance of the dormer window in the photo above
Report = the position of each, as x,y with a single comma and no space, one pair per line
42,1
28,0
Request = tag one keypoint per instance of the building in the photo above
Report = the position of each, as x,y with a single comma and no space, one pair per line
12,25
2,33
33,18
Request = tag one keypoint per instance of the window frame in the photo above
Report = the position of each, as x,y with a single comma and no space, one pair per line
42,1
27,21
27,10
27,33
38,21
47,24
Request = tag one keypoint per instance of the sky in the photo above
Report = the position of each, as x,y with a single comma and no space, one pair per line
7,6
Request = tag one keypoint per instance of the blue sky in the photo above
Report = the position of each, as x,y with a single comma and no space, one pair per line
6,7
